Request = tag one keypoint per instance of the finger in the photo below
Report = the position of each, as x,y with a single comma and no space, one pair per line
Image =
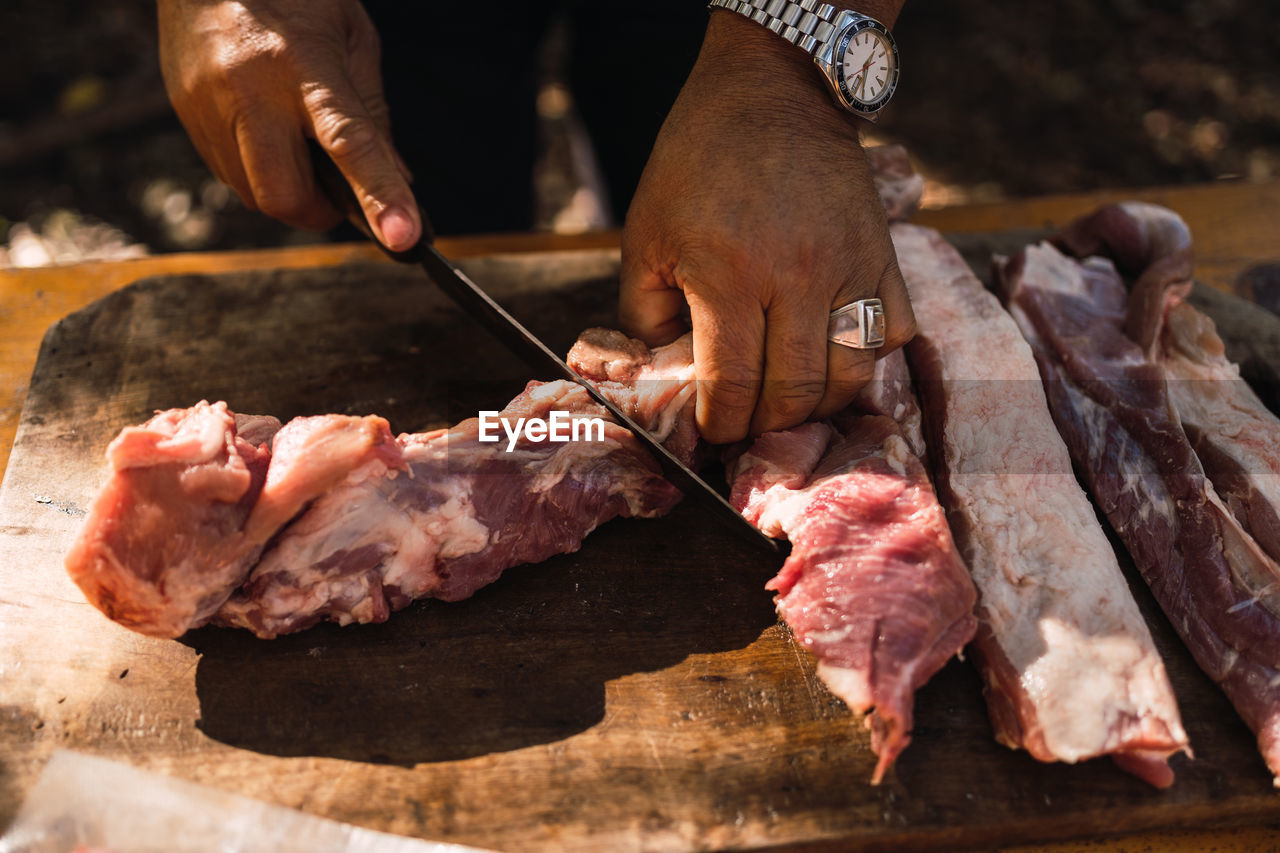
364,70
279,172
348,133
728,349
364,66
795,365
848,371
649,308
217,147
899,318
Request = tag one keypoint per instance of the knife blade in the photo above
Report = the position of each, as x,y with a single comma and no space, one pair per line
523,343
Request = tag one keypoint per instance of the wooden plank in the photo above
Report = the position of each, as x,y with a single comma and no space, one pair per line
639,694
31,300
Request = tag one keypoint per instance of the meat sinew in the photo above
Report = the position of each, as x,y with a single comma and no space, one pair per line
1121,383
1070,667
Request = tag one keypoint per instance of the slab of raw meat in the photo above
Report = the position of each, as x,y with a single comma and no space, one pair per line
873,586
1117,411
459,513
1235,436
1070,667
190,503
161,549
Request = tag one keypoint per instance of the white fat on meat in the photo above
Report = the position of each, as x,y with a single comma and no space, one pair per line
1072,670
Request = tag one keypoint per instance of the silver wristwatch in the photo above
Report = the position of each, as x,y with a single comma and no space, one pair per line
856,54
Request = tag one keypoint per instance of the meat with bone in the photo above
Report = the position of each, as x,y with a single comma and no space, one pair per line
873,586
1121,418
1070,667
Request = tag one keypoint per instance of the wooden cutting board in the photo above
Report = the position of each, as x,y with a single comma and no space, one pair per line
639,694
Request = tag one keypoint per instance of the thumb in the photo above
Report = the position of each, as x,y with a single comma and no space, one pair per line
349,133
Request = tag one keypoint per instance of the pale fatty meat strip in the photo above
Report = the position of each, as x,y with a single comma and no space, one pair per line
1070,667
1115,406
873,586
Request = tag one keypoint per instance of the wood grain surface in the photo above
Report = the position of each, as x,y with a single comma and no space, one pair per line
639,694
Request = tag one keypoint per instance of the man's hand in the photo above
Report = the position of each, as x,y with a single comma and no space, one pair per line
757,210
251,80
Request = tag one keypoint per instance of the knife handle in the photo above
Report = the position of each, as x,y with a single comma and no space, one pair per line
333,184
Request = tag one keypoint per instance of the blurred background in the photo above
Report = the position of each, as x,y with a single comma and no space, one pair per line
996,101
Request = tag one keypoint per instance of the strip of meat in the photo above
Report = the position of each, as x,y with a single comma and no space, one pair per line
460,513
1121,418
369,522
873,586
1235,436
1070,667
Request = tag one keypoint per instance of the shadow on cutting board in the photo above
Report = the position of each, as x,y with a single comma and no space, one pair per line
523,662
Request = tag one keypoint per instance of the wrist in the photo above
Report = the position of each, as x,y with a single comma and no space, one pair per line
754,43
754,67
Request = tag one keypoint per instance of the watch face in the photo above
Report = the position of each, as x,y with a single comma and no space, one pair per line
867,69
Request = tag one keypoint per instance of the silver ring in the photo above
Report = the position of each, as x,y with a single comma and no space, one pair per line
858,325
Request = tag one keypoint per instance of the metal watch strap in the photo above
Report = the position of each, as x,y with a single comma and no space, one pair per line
804,23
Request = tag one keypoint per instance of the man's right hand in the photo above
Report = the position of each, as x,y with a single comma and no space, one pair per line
252,80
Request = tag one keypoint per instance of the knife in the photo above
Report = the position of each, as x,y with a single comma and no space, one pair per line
522,342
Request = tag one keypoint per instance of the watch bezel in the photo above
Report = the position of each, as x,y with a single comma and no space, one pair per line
841,44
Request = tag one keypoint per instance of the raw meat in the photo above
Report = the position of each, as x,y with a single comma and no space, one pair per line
162,548
1235,436
873,585
360,523
897,183
1121,418
456,515
1070,666
190,504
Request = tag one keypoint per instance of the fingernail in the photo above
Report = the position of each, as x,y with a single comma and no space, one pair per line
397,227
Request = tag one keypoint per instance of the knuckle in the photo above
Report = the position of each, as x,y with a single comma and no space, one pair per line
794,399
348,138
729,395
